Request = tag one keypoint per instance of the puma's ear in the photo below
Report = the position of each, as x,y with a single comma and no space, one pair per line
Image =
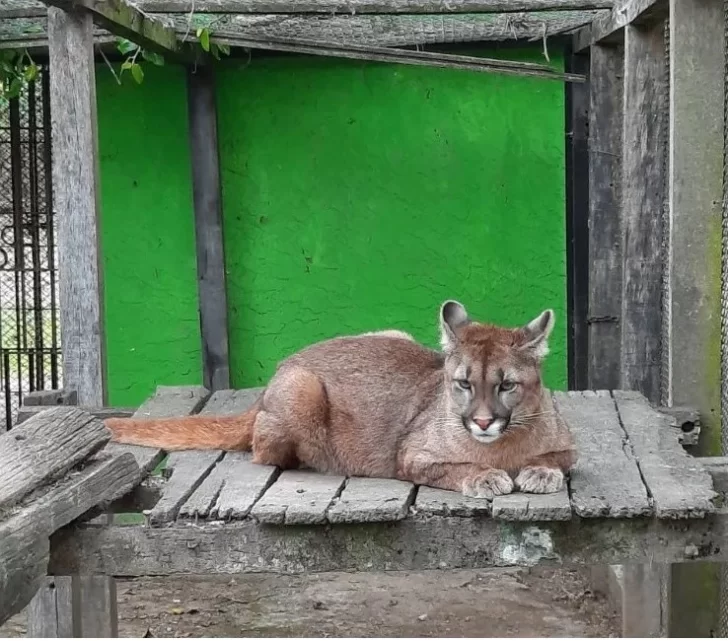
537,334
452,317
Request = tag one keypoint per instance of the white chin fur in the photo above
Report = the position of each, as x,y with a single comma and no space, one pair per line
493,433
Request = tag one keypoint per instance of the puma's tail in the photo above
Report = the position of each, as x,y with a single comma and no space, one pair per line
187,432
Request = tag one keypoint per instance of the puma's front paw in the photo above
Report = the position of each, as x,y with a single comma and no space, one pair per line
540,480
488,484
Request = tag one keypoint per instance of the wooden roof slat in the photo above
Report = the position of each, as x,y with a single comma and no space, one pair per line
370,30
34,8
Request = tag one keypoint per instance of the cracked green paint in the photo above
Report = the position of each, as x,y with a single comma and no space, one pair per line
359,196
147,235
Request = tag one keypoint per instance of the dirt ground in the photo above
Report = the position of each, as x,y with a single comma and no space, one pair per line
541,602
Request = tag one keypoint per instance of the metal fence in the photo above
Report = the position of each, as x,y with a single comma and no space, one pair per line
29,324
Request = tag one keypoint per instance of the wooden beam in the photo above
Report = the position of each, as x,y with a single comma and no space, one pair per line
697,71
76,194
609,27
125,20
643,188
359,7
385,54
577,219
207,194
695,197
414,544
605,242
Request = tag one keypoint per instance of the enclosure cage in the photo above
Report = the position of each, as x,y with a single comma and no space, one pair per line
29,331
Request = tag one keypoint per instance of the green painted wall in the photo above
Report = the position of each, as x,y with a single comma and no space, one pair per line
360,196
152,324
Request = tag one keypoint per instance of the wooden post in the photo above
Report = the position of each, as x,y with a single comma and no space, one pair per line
697,72
577,218
643,187
208,227
605,231
633,188
65,606
76,195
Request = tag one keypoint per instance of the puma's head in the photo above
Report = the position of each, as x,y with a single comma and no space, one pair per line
493,374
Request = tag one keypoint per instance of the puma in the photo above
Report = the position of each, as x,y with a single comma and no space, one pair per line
472,418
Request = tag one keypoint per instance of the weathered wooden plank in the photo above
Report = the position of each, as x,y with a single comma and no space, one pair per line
24,413
379,50
697,106
400,30
298,497
607,28
44,448
230,402
643,188
188,470
96,613
76,201
365,500
231,489
207,197
606,481
424,543
532,507
125,20
167,402
360,7
605,233
717,467
436,502
49,613
48,398
25,529
577,220
679,485
235,483
685,421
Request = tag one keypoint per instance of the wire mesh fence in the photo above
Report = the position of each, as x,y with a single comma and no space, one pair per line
29,325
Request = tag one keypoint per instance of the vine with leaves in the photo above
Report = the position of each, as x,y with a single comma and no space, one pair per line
17,68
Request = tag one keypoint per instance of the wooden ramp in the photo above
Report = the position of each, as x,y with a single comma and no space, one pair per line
51,472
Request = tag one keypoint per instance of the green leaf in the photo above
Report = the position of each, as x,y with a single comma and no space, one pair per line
154,58
31,72
16,84
137,73
224,49
127,64
205,39
215,51
126,46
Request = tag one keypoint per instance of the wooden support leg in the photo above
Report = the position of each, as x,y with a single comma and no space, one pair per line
644,588
77,607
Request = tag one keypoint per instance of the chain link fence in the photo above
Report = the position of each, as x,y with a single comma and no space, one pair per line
29,325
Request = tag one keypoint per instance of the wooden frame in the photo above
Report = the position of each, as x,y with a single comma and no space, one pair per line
616,340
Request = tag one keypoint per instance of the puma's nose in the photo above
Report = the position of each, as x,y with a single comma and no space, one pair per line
483,423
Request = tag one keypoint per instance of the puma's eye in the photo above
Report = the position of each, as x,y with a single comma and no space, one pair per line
507,386
464,384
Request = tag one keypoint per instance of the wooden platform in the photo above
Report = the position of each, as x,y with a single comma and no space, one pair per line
635,495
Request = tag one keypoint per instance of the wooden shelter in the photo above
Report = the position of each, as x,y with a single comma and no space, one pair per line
645,127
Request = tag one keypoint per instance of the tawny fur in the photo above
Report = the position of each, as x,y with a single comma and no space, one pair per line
381,405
